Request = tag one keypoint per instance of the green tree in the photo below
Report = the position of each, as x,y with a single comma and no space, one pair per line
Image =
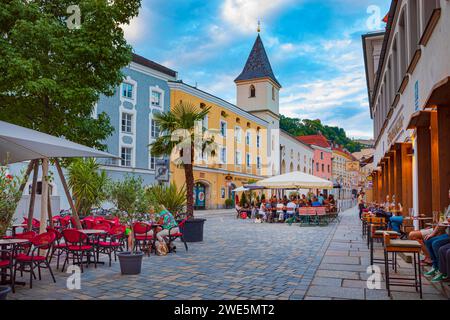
336,135
52,75
179,130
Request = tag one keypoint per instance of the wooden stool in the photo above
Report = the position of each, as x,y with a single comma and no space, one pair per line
404,246
379,235
374,222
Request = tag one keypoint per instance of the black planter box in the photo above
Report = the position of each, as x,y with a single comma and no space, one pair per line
193,230
130,262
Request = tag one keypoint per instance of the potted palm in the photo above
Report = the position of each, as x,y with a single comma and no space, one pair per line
182,134
131,202
88,184
10,195
169,196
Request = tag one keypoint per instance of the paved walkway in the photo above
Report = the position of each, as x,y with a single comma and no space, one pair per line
238,260
342,274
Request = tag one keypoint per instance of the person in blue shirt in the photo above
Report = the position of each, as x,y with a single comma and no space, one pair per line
321,199
316,202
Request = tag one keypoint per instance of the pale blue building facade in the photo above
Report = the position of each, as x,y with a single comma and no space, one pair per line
143,93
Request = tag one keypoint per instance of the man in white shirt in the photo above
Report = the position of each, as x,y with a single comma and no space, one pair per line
290,209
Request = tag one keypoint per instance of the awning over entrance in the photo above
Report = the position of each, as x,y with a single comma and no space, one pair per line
419,119
440,95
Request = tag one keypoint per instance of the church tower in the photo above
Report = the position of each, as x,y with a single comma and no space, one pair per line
258,93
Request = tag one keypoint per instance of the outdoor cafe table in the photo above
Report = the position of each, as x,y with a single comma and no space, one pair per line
95,234
422,220
4,243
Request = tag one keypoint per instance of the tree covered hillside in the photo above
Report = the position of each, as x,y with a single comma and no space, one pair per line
303,127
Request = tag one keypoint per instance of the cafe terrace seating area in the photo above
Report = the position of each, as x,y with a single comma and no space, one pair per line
27,256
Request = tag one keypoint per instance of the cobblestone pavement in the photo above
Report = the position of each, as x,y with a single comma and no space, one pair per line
238,260
342,273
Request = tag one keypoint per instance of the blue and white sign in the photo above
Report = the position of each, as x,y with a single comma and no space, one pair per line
416,95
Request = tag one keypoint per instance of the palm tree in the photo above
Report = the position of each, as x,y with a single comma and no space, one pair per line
179,131
88,184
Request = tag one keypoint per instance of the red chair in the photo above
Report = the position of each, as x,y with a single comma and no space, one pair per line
7,266
64,222
35,224
141,237
32,258
88,223
113,243
59,248
78,247
173,236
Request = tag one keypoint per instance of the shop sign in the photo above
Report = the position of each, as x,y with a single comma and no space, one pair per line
395,129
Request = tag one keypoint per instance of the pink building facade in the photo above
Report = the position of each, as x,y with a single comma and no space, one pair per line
323,155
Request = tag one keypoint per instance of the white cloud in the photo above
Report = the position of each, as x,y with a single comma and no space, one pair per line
243,15
139,27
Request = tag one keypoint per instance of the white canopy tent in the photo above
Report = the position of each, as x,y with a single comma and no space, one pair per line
295,180
241,189
19,144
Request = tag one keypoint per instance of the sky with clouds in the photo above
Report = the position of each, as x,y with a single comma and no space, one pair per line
314,47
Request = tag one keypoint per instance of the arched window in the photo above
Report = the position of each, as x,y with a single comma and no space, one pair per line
273,93
252,91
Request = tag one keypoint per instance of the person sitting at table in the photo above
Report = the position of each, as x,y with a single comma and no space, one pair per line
316,202
426,234
290,210
262,210
167,222
321,199
444,260
268,212
280,212
254,210
434,243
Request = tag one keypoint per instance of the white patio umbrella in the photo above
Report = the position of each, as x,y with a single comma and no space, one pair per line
295,180
20,144
241,189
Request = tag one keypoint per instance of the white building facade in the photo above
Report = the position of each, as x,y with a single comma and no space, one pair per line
408,77
295,155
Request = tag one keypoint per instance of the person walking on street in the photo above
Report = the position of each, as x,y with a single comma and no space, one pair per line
361,203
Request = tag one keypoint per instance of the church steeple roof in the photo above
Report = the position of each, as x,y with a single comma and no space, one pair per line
258,64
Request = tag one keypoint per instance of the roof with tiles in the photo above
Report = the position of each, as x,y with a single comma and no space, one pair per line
318,140
257,65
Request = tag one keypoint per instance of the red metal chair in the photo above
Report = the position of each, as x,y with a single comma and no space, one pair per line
64,222
7,265
113,243
35,224
59,247
141,237
173,236
32,258
78,247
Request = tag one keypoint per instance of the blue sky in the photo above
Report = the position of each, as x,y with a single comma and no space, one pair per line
314,47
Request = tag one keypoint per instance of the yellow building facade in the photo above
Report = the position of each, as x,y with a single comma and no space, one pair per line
240,148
